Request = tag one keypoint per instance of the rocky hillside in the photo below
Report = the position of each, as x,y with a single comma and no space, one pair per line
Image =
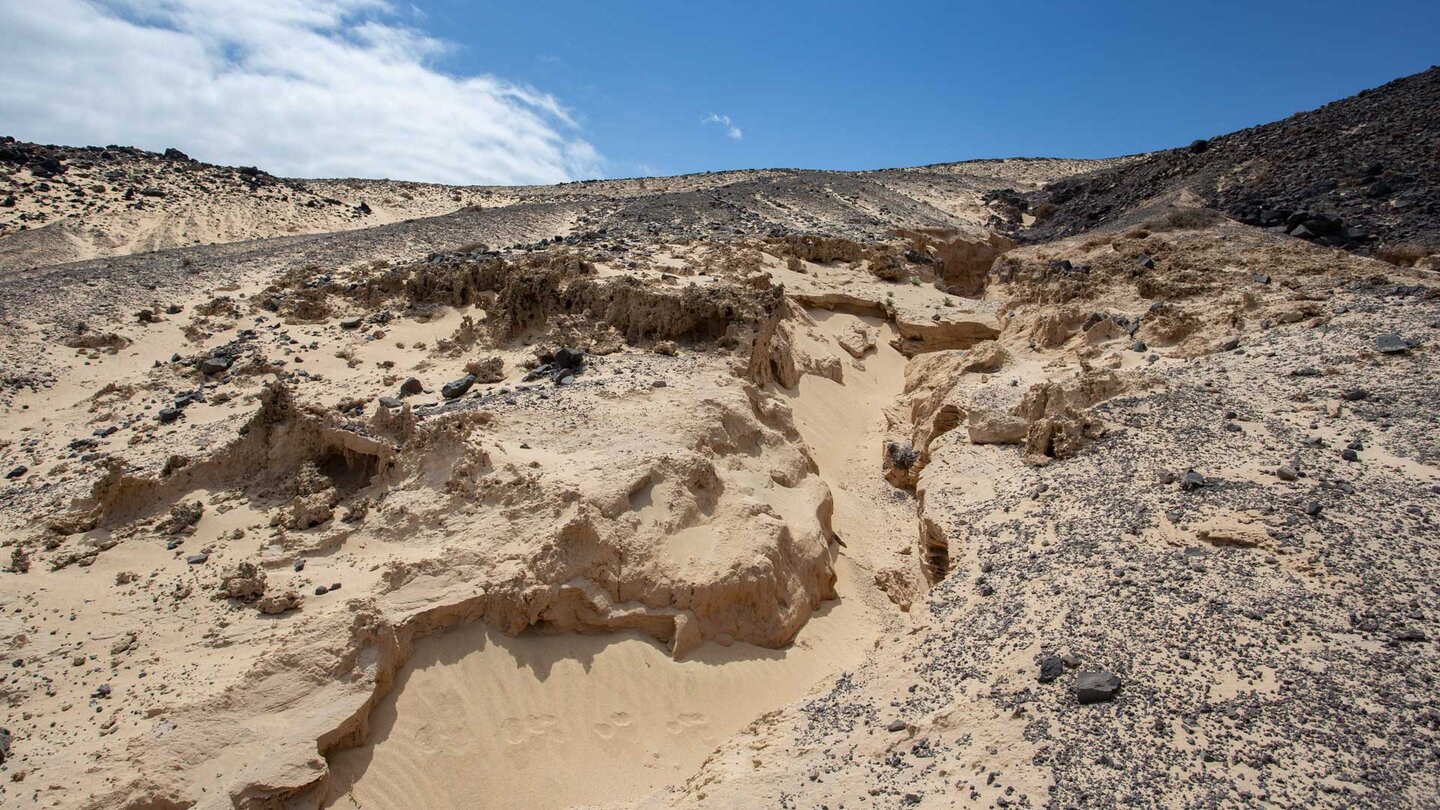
1358,173
64,204
771,488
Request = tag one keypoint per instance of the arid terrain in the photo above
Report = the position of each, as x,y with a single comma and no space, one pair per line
1006,483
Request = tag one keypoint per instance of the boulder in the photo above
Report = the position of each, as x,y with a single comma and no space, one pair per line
1096,686
568,358
457,388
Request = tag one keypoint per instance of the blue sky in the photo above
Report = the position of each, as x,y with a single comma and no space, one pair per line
849,85
488,92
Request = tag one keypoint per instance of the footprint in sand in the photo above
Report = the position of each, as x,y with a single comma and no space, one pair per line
615,723
534,728
686,722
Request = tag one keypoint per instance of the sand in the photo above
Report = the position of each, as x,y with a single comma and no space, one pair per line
801,526
479,719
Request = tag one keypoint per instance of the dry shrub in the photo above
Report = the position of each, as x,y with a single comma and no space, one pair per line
1184,219
1407,254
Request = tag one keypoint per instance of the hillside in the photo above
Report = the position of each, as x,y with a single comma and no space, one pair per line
65,204
771,488
1357,173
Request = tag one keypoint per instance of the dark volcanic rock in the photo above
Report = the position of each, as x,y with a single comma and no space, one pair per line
1392,343
1096,686
457,388
1329,175
569,358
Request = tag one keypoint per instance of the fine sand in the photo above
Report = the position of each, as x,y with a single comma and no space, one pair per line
482,720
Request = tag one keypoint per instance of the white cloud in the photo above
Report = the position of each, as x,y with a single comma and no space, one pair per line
303,88
731,130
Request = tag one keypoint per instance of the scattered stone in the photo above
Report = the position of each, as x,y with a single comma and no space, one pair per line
568,358
197,559
1392,343
411,387
896,725
1096,686
168,415
1051,667
351,323
457,388
1287,473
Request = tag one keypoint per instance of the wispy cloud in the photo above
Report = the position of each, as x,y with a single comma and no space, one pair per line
731,130
307,88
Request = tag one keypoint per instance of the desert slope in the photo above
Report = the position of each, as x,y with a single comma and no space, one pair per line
1356,173
771,488
64,204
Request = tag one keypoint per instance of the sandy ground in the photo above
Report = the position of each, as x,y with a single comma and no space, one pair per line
795,524
551,721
